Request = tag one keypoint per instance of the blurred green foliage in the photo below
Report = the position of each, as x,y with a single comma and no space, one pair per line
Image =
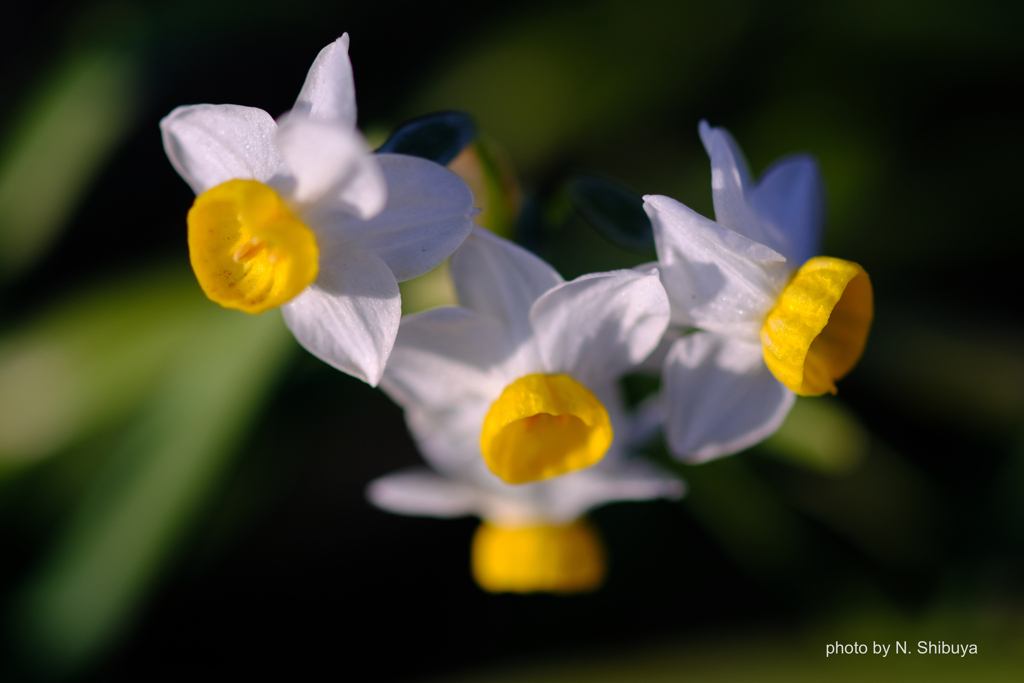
63,134
80,367
159,473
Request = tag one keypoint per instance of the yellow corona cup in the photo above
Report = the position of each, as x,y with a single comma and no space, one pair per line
819,326
542,426
552,559
247,249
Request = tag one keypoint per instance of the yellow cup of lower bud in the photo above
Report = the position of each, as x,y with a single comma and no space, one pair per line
538,559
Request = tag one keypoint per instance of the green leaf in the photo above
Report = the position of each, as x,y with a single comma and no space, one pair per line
820,434
746,515
438,137
169,461
88,361
64,134
615,212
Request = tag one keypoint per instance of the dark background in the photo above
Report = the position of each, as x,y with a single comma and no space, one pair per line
286,570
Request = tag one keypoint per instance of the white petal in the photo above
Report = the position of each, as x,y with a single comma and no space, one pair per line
732,188
791,196
653,363
730,182
567,497
449,440
507,505
475,490
716,279
600,325
720,397
349,316
444,359
418,491
331,165
563,499
429,213
209,144
329,93
497,278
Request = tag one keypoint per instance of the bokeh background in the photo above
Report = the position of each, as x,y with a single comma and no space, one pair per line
181,486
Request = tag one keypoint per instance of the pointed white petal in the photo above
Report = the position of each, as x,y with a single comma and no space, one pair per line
445,359
791,196
730,182
331,166
209,144
732,188
497,278
716,279
429,213
598,326
349,316
418,491
329,93
720,397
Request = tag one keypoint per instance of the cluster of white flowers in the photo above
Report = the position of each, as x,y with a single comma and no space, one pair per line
513,395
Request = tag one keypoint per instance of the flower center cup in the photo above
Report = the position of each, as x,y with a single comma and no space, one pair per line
817,330
551,559
247,249
542,426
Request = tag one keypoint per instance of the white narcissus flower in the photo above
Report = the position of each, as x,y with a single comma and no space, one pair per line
524,374
534,537
524,371
300,214
766,327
